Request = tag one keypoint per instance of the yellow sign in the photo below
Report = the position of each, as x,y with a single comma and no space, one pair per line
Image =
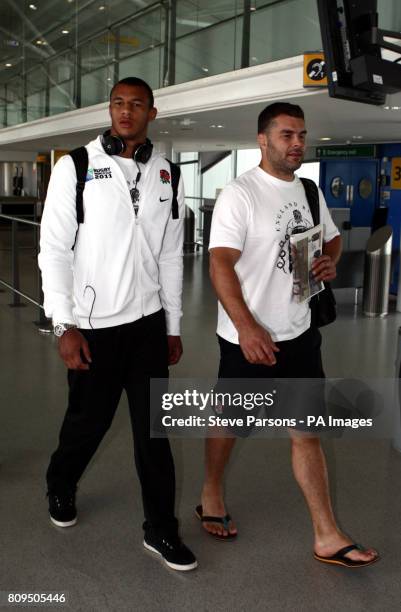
315,71
396,173
123,40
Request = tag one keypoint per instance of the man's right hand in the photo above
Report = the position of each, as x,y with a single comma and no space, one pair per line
70,345
257,345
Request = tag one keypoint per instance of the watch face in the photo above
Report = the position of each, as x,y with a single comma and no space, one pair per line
59,330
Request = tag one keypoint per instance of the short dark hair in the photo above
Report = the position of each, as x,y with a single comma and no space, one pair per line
136,82
272,111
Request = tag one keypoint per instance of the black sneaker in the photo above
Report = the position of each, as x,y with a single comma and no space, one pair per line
63,512
175,554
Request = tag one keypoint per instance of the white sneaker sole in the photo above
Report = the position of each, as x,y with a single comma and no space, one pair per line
63,524
174,566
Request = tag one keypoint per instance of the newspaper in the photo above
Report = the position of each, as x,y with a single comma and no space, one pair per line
304,247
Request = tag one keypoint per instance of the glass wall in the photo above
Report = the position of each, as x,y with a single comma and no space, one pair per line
284,29
217,177
247,159
66,54
389,15
60,55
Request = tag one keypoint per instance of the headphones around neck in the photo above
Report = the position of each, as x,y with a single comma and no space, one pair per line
114,145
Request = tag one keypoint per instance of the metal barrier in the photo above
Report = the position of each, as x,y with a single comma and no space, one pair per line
15,271
376,285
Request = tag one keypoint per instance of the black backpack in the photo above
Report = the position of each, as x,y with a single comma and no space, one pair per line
81,161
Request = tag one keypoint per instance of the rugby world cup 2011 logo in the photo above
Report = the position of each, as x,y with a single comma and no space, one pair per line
165,176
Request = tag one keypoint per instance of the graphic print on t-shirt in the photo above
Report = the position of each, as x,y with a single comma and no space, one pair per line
290,220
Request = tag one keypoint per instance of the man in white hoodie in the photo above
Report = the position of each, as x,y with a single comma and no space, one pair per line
112,282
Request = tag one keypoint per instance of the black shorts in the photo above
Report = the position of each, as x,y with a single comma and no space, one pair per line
295,399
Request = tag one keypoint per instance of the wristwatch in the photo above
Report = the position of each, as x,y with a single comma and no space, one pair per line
60,328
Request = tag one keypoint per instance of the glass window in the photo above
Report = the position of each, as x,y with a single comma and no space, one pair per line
97,53
61,98
283,30
213,51
337,187
145,65
2,106
14,101
36,105
190,175
195,15
61,68
389,15
36,83
96,86
365,188
247,159
142,33
217,177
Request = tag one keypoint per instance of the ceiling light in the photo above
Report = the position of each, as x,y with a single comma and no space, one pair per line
396,108
33,7
212,126
254,59
164,132
386,107
101,8
187,121
325,138
205,69
219,126
357,137
39,42
8,65
65,31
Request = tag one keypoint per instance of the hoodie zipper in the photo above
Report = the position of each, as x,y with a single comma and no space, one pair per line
136,237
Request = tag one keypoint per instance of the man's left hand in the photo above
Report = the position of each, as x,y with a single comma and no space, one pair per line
323,268
174,349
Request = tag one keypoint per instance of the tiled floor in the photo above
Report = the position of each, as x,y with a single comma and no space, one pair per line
100,564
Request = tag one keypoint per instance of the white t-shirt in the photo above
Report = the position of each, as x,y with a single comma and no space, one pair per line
130,170
255,214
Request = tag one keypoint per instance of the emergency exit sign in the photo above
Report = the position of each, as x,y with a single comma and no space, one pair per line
346,152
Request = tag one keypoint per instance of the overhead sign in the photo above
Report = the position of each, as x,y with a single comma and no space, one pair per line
396,173
315,71
346,151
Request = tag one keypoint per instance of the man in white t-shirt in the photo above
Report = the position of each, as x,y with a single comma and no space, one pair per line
263,330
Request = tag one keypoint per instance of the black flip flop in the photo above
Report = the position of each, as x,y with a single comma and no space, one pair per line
339,557
222,520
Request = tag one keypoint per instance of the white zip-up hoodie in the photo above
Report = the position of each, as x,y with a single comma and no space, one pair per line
122,267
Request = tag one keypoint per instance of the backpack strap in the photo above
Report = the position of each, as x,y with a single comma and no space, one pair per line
175,172
312,196
81,161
